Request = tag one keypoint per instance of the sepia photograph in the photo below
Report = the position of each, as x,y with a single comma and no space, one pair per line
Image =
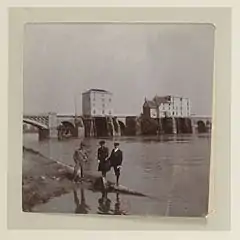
117,118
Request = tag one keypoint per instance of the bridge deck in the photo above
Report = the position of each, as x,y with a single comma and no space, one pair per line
35,123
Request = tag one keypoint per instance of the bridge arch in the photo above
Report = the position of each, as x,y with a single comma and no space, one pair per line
66,129
201,126
122,126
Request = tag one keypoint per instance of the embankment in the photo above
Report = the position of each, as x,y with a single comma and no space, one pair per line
44,178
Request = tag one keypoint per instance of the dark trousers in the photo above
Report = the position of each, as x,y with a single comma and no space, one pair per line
104,173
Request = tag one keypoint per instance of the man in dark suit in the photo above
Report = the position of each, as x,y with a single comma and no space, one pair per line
116,158
103,153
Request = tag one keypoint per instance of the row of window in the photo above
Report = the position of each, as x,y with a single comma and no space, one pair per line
176,108
103,99
175,112
103,112
95,95
103,105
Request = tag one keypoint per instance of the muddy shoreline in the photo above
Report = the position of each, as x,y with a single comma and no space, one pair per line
44,178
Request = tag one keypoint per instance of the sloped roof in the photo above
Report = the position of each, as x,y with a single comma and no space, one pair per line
156,101
159,100
97,90
149,103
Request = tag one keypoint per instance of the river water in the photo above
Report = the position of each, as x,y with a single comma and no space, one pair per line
172,169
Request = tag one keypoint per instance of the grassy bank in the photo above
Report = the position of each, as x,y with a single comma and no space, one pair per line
44,178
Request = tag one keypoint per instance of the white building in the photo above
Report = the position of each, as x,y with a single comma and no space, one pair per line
169,106
97,102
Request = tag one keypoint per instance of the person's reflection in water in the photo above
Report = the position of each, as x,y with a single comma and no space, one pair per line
104,204
117,209
82,207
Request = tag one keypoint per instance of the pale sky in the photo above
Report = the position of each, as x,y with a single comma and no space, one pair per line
133,61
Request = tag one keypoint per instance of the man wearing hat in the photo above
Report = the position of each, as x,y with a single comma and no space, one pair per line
103,153
79,157
116,158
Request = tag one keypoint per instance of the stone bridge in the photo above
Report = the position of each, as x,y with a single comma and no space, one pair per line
201,123
54,125
49,125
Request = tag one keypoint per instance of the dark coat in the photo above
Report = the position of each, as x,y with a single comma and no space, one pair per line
116,158
103,153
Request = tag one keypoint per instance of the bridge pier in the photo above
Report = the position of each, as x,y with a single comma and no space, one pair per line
43,134
89,127
117,128
79,126
174,126
52,123
110,127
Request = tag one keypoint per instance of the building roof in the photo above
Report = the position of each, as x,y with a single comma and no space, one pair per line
158,100
97,90
149,103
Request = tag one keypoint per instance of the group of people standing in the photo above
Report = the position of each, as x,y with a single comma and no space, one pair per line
105,161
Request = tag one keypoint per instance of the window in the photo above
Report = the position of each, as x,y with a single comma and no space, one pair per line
103,111
110,99
103,105
94,111
110,112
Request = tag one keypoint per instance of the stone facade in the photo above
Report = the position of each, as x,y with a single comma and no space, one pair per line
167,106
97,103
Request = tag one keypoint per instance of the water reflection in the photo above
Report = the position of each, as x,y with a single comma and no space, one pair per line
105,205
81,207
117,209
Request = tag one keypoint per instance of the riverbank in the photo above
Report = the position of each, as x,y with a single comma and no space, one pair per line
42,179
167,169
45,178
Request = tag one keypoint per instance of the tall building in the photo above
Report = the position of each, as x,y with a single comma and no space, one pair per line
169,106
97,102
